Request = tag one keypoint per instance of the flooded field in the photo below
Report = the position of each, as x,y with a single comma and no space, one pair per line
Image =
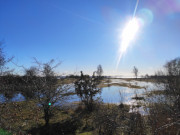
115,93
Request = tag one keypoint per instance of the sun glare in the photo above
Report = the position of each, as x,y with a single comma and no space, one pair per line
129,33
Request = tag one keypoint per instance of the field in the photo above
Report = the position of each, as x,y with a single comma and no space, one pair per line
26,117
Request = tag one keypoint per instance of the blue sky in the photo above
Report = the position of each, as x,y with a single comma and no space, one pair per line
85,33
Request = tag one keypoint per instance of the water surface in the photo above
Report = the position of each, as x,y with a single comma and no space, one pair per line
112,94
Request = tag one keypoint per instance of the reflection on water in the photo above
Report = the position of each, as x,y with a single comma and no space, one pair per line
2,98
147,85
117,94
16,98
112,94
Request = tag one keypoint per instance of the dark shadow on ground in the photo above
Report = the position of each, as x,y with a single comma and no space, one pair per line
67,127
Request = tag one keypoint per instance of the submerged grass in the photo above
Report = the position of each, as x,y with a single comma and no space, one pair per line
154,93
129,85
140,79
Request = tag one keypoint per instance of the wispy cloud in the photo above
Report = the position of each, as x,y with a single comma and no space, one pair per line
67,11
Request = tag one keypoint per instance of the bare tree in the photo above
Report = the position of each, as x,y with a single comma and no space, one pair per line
32,71
5,73
99,70
48,90
2,57
135,71
3,61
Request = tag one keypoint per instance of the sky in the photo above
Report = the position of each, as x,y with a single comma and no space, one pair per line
85,33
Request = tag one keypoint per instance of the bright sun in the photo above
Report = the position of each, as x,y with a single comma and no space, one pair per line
129,34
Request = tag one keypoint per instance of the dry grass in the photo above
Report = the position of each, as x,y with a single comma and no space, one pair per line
121,84
154,93
66,81
22,116
140,79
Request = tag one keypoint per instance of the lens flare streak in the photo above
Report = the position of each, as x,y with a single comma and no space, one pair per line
128,34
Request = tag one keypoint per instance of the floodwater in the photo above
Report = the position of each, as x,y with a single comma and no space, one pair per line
112,94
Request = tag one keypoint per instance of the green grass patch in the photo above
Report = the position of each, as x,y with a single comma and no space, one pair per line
4,132
85,133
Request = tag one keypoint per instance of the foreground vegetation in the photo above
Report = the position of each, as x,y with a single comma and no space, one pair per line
26,117
108,119
44,111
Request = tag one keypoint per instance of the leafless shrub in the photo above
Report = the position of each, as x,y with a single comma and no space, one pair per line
48,90
165,109
135,71
99,71
4,70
